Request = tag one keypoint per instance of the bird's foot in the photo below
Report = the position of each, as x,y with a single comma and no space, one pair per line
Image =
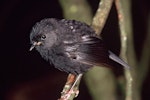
68,94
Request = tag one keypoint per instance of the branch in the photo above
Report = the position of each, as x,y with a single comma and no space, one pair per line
101,15
127,47
100,87
71,88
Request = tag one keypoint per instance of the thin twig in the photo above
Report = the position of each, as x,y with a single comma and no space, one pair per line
124,30
71,88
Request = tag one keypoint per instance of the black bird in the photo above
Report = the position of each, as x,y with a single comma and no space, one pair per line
70,45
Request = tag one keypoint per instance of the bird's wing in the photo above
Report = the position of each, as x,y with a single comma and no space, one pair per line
92,51
89,50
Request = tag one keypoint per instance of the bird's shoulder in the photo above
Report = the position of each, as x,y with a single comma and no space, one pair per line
77,27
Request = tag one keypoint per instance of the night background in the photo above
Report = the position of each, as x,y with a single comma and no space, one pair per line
26,74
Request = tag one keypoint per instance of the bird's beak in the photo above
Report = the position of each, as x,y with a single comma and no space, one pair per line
34,44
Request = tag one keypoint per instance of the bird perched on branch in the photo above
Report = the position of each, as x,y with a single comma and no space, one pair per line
70,45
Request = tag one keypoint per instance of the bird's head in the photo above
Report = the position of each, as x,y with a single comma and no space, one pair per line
43,34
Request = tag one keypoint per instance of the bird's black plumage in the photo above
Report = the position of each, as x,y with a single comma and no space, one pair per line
70,45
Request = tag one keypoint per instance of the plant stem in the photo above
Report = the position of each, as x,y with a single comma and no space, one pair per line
127,47
101,15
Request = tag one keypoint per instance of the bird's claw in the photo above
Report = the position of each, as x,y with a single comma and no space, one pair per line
67,95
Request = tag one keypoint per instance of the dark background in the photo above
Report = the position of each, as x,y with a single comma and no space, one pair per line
25,74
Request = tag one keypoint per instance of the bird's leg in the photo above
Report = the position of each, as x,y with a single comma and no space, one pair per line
78,78
71,87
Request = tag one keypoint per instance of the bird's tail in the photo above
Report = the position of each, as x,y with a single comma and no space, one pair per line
115,58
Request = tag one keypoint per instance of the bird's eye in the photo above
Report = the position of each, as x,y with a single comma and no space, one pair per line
43,37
